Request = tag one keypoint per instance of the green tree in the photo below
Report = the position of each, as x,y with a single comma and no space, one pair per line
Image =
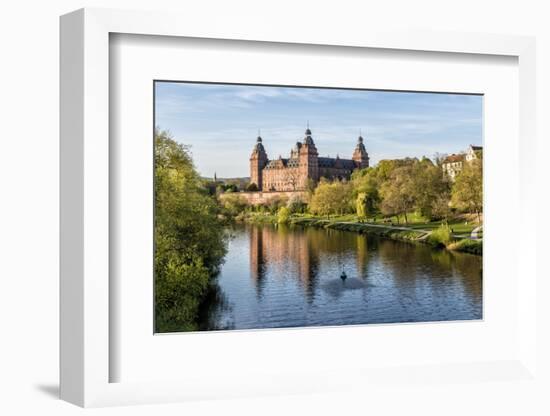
361,205
440,206
365,186
311,185
441,236
331,198
467,191
398,194
283,215
296,204
431,189
189,239
275,203
230,187
397,187
233,204
252,187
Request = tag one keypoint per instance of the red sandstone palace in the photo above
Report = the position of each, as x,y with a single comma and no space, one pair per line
303,165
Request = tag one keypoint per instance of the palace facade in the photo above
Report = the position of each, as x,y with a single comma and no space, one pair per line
304,166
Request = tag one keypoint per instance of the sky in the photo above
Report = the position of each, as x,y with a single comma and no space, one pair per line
220,122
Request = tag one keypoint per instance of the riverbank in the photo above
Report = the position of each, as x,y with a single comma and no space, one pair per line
411,234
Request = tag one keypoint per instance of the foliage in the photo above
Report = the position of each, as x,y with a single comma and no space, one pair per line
252,187
441,236
283,215
365,188
431,190
440,208
398,192
310,186
189,238
211,187
296,204
361,205
468,246
230,187
331,198
401,186
257,217
233,204
275,203
467,191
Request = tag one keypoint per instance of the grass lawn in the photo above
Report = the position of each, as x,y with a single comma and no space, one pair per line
458,227
460,240
416,222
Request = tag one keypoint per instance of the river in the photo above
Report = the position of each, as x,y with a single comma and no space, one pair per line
284,276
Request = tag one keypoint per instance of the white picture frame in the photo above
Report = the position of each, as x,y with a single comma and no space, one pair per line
85,213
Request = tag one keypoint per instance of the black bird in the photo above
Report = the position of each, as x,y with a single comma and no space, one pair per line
343,276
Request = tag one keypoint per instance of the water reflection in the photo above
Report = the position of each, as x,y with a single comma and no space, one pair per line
285,277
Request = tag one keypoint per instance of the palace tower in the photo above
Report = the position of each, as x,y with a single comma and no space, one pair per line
258,161
303,167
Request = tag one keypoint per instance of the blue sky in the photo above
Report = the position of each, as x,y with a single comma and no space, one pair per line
220,123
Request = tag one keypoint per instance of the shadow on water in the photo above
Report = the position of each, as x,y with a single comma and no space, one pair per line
214,306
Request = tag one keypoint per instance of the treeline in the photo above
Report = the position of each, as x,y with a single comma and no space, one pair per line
398,187
392,189
190,243
395,188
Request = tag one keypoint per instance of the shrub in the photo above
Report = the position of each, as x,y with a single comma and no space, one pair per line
441,236
252,187
468,246
296,205
283,215
234,204
275,203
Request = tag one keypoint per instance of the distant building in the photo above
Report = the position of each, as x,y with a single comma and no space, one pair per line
453,164
302,167
474,152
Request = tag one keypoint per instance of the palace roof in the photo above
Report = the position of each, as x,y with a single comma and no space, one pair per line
277,163
329,162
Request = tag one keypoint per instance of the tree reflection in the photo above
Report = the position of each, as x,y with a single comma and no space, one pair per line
290,276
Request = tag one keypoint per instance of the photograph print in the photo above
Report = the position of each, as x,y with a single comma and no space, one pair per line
293,207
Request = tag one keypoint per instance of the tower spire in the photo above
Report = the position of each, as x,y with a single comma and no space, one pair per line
308,139
360,155
258,160
360,138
